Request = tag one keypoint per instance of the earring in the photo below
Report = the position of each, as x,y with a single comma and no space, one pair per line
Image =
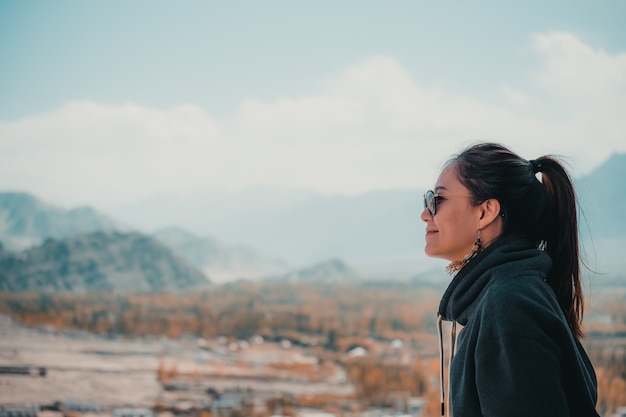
456,266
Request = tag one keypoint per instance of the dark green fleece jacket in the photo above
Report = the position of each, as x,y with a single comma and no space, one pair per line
516,355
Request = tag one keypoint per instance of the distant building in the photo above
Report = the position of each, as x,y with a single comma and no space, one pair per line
132,412
78,406
19,411
357,352
225,406
225,403
415,406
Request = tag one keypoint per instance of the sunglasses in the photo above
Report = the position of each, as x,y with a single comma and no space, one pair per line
431,200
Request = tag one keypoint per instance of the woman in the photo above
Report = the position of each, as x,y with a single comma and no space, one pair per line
512,240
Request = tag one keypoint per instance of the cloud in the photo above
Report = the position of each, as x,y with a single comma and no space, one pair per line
514,96
581,93
89,152
371,126
574,70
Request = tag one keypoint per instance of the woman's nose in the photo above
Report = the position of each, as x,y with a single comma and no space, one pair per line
425,215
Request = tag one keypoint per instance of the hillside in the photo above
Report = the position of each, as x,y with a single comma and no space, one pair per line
98,261
331,271
27,221
375,227
221,262
602,196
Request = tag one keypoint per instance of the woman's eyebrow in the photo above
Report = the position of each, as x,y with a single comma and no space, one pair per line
440,188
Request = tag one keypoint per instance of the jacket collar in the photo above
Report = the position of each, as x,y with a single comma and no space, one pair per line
508,255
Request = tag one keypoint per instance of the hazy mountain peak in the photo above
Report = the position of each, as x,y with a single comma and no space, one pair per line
332,270
221,262
26,221
613,168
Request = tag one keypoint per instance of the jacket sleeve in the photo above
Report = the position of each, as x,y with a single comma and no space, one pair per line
518,359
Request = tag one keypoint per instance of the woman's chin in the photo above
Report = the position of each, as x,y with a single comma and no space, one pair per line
432,252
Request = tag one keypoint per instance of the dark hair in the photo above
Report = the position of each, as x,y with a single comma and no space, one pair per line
543,211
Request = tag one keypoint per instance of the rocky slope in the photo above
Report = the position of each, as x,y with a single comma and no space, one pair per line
106,261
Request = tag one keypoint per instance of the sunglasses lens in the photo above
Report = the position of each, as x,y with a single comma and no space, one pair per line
429,202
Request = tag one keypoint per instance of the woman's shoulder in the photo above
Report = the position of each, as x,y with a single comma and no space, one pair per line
520,301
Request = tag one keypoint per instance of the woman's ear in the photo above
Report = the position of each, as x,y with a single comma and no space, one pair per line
490,211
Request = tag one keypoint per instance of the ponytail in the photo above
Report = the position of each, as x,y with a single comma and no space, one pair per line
542,211
562,241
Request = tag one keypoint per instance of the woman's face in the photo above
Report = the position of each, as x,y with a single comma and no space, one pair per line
452,231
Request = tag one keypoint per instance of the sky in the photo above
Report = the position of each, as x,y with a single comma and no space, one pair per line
105,103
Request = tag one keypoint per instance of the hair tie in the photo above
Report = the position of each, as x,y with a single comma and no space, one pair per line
536,166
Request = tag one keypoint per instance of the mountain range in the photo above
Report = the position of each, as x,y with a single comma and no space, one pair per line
265,234
376,232
220,262
99,261
26,221
47,248
602,197
330,271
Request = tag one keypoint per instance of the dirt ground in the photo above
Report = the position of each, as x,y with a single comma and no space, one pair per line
123,373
